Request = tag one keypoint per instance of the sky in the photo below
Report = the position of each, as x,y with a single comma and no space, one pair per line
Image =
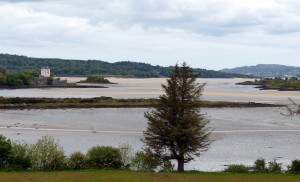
210,34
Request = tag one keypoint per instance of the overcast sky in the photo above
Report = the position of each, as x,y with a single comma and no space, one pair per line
211,34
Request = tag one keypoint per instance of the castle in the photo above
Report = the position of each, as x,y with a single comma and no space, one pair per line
46,79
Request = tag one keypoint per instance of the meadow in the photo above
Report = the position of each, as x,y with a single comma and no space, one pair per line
128,176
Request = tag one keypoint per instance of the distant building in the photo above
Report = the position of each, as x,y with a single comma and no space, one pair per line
45,79
45,72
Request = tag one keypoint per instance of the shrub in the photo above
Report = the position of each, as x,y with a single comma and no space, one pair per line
237,168
46,154
294,167
19,158
274,167
143,161
5,150
167,166
104,157
126,155
259,166
77,160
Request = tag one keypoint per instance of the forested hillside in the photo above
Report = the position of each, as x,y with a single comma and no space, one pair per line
266,70
64,67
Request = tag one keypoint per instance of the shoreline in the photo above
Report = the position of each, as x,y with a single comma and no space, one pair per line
18,103
261,86
45,87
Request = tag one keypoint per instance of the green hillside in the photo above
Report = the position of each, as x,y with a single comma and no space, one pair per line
66,67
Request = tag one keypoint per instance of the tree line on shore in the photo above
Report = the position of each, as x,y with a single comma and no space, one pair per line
64,67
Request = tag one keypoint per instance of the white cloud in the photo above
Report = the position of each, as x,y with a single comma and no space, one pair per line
152,30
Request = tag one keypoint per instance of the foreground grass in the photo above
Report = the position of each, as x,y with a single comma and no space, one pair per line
127,176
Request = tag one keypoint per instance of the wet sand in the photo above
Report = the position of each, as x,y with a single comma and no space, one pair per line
240,135
215,90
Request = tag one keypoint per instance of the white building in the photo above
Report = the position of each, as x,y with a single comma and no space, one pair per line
45,72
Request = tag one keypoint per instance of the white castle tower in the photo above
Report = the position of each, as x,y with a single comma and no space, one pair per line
45,72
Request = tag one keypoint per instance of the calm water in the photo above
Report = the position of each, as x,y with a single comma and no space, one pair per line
240,135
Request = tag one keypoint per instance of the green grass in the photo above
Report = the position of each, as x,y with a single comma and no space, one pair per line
127,176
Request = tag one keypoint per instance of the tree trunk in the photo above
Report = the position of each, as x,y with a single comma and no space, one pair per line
180,164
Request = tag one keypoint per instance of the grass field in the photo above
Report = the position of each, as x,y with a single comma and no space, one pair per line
127,176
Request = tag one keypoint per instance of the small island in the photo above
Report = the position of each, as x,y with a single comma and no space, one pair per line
280,84
96,79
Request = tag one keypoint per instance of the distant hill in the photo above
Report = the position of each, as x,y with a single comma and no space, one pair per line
65,67
266,70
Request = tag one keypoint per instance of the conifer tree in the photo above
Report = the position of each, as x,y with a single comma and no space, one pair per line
176,129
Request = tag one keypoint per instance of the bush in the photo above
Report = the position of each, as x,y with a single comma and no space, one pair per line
143,161
259,166
294,167
104,157
237,168
45,154
167,166
5,150
274,167
77,160
126,155
19,158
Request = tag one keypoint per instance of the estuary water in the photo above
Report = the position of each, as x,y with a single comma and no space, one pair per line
215,90
240,135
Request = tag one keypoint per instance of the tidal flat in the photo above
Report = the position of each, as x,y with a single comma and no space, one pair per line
241,135
215,90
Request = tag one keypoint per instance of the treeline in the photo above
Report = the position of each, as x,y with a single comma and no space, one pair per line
292,83
17,79
63,67
47,155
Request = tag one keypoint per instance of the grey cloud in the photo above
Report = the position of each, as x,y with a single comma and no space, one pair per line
209,19
216,18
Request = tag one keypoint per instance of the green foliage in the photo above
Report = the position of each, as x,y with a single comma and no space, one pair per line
77,160
2,71
237,168
259,166
2,79
49,81
20,79
5,150
176,128
294,168
45,154
126,155
167,166
274,167
143,161
277,83
96,79
19,158
17,64
13,80
104,157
